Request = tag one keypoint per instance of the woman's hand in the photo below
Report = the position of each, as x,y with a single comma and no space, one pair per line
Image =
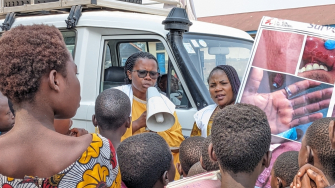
309,177
284,113
140,122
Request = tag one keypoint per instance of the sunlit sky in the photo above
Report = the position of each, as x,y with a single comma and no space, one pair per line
221,7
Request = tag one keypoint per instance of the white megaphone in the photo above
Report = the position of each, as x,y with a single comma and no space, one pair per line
159,114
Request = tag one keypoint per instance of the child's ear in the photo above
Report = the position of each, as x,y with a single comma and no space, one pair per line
54,80
211,152
267,159
94,120
310,154
201,162
180,169
128,123
279,183
165,178
332,133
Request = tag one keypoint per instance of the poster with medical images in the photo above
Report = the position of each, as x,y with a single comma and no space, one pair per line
291,75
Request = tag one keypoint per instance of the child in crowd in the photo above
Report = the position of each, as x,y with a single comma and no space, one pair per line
196,169
45,87
145,161
241,138
206,162
112,109
189,154
316,149
284,169
6,116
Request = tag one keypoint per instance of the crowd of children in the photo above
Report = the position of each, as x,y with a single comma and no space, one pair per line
41,149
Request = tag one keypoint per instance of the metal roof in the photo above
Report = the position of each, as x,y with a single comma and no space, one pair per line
127,20
321,15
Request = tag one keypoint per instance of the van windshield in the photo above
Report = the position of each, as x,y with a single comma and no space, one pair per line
207,52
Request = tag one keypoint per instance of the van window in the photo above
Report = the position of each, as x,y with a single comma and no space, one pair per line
70,41
116,54
207,52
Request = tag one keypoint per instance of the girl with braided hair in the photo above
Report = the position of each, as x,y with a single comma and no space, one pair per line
141,70
223,84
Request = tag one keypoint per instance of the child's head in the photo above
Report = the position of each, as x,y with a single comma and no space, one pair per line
112,109
206,162
6,116
36,67
196,169
189,154
284,169
316,148
241,138
145,161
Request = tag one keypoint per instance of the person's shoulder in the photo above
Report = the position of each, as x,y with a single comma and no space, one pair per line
209,107
123,87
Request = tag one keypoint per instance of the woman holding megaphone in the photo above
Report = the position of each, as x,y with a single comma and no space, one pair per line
141,71
223,84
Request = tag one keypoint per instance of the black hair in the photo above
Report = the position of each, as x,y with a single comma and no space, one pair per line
286,166
241,135
112,108
190,152
130,63
143,159
196,169
162,77
208,164
317,137
27,53
232,77
10,104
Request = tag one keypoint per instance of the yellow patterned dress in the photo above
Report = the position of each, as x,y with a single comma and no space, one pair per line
97,167
197,132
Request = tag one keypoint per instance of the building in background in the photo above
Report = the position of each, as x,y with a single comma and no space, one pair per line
249,22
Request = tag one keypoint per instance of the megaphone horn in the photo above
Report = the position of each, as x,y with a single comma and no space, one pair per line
159,116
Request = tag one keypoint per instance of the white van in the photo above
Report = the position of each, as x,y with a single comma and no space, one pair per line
103,39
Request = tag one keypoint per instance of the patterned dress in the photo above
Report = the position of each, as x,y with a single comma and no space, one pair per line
97,167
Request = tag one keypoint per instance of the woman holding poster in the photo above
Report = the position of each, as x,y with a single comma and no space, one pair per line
223,84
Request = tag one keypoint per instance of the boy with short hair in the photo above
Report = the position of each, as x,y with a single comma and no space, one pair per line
284,169
189,154
112,109
316,149
6,116
241,138
206,162
145,161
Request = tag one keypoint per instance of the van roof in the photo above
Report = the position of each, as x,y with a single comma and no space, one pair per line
128,20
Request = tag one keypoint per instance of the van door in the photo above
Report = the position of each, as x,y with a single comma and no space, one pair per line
116,50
